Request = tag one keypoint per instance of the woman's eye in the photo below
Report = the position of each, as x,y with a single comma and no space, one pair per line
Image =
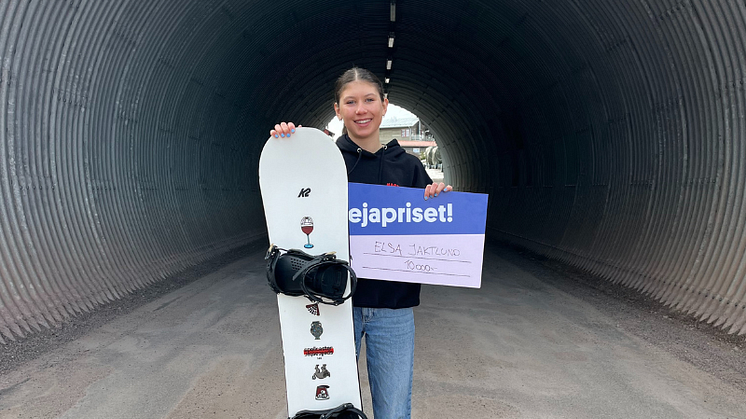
369,100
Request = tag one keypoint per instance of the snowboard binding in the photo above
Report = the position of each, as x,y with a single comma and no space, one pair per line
345,411
321,278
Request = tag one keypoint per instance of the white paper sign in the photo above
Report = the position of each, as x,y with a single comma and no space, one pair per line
396,235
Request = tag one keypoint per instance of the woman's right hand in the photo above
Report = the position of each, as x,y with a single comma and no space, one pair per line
283,129
431,191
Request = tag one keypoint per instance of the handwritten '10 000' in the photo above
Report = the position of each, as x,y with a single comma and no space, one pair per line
418,258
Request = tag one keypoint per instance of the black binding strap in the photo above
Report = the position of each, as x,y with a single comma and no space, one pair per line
321,278
345,411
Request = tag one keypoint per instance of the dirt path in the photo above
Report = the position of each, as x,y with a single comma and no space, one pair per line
537,340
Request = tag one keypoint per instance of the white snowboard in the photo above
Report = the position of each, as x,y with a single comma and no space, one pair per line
303,181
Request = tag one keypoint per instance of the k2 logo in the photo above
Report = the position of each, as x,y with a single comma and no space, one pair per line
304,192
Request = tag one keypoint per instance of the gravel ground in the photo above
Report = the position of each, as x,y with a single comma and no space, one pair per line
688,339
15,353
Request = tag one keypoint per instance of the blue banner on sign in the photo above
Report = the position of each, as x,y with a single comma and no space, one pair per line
391,210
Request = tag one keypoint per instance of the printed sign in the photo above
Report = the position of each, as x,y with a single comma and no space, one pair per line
396,235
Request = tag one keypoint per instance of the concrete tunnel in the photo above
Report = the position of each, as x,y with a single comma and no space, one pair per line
609,135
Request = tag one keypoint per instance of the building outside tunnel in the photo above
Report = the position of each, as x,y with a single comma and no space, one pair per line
609,135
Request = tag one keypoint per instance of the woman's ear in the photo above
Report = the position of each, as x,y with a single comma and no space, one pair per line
336,111
385,105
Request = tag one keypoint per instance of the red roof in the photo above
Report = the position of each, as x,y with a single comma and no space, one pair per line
410,143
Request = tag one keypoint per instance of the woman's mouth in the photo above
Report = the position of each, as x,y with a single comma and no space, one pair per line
363,121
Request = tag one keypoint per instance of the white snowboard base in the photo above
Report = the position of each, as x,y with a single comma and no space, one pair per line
303,182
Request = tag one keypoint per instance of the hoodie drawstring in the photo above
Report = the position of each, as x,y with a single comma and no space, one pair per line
359,155
380,167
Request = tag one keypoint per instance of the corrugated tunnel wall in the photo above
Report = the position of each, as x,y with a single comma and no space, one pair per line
609,134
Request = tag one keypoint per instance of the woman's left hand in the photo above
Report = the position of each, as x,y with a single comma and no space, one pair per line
433,190
283,129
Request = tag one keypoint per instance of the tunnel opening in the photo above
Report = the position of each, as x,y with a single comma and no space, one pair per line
607,136
412,134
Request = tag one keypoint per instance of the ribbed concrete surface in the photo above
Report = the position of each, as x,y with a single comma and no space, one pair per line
609,135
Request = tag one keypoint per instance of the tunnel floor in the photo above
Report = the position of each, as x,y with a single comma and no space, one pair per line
537,340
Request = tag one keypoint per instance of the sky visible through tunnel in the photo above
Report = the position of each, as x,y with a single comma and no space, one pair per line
393,112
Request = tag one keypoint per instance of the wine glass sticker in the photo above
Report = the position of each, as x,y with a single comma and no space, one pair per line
306,225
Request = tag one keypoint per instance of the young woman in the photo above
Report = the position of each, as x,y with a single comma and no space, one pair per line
382,310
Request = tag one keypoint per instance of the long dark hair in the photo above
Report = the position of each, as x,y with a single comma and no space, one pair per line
354,74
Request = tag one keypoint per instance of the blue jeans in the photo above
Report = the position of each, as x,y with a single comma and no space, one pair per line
389,346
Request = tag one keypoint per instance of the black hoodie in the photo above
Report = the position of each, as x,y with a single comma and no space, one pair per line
392,166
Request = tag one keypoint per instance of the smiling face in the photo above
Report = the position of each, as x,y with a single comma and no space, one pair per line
361,110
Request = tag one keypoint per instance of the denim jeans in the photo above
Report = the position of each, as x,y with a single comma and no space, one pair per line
389,346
